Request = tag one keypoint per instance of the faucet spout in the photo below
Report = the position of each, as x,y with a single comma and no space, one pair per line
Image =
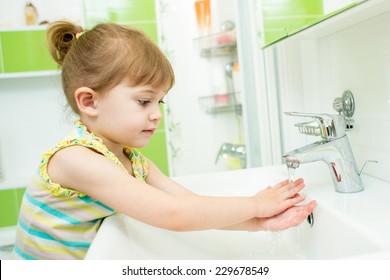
337,154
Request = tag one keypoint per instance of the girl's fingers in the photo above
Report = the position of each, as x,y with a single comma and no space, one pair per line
282,184
292,189
295,200
298,181
289,184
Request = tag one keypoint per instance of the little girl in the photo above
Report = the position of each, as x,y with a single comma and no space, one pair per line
114,79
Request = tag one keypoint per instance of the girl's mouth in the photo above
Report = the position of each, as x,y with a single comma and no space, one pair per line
149,131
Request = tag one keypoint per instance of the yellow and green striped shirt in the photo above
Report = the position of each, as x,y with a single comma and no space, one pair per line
60,223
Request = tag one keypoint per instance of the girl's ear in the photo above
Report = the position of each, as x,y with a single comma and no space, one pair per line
86,99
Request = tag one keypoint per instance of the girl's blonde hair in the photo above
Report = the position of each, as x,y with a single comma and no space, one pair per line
102,57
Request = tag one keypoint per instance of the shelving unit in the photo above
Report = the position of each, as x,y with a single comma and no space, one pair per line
217,44
23,28
221,50
14,183
221,103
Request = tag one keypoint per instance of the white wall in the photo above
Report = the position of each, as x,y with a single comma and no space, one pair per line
32,120
312,72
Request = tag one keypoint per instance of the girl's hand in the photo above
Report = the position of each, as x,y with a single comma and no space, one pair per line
292,217
274,200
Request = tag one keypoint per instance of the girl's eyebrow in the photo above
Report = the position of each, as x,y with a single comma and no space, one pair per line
146,90
150,91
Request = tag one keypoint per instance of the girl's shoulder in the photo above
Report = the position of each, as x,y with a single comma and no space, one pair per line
74,148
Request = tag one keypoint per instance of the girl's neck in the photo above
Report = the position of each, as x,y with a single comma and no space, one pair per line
115,148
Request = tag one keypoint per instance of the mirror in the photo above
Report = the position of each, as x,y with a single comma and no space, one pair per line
283,18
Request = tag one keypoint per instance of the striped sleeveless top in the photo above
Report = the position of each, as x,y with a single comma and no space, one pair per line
60,223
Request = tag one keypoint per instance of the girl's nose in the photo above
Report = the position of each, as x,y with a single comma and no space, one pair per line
156,115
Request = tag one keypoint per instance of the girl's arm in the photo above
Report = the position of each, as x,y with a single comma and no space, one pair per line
88,172
159,180
289,218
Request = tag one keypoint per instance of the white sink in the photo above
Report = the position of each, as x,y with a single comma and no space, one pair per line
344,228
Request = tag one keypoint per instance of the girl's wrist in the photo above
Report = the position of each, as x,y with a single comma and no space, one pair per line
257,207
259,210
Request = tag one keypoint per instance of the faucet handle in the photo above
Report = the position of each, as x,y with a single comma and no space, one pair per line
326,125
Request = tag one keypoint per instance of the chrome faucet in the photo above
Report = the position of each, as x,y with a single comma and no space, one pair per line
234,151
334,149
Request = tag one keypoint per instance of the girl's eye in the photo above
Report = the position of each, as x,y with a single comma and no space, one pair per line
161,102
143,102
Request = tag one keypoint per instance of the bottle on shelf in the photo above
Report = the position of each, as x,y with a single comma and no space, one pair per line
31,14
203,17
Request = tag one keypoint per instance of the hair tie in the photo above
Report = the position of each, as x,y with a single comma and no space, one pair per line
78,34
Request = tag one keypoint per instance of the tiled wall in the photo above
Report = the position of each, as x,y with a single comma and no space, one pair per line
312,72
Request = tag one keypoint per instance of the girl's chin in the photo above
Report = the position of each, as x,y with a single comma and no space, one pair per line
140,145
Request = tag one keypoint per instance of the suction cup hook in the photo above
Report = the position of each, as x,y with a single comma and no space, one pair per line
345,104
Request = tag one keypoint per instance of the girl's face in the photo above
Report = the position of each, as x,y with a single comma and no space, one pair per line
128,115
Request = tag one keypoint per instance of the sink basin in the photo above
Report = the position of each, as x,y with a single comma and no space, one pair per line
136,240
337,231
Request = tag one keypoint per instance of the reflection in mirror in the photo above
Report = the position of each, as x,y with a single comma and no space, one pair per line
283,18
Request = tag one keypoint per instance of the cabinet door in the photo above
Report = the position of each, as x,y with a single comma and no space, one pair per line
137,13
10,201
282,17
1,57
24,51
132,10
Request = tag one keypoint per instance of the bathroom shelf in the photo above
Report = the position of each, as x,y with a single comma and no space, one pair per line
14,183
22,28
31,74
217,44
221,103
